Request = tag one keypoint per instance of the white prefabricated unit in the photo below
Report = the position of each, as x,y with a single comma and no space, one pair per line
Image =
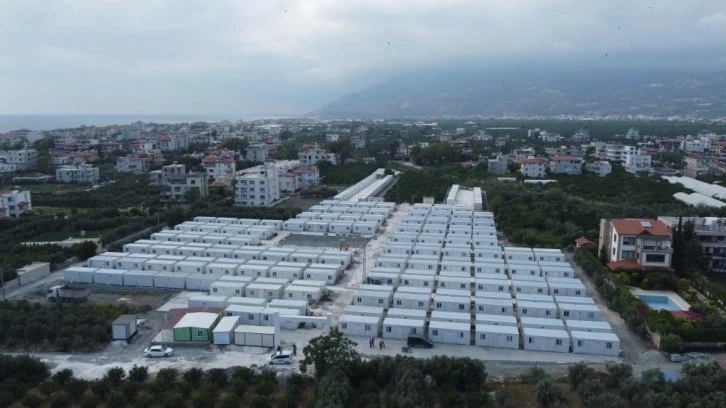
492,285
499,336
360,326
518,254
407,300
241,241
427,250
204,219
397,328
521,268
246,221
430,262
417,280
492,295
233,230
450,332
253,270
164,249
392,261
216,239
363,310
431,239
299,305
103,261
199,281
495,320
537,309
217,252
135,248
488,253
276,225
584,342
400,313
556,270
458,317
452,282
453,292
78,274
489,267
588,326
300,292
124,327
451,303
574,299
573,288
287,272
103,276
261,232
340,227
532,287
484,241
459,266
404,238
457,251
525,297
294,225
542,323
306,257
372,298
383,278
220,269
207,301
329,276
141,279
227,289
494,306
268,318
248,314
546,340
255,336
399,249
549,255
190,267
460,241
157,265
164,236
170,280
245,301
317,226
188,250
409,228
247,254
579,311
267,291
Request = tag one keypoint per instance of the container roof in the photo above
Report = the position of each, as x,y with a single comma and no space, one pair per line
198,319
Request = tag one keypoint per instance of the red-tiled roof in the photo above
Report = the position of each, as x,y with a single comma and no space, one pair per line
565,158
633,226
630,264
533,161
582,241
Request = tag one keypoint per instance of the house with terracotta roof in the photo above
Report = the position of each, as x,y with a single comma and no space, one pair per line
534,167
566,165
632,243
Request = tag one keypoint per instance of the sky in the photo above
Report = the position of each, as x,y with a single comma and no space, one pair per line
291,57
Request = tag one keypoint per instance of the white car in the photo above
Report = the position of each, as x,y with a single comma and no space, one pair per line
158,351
280,357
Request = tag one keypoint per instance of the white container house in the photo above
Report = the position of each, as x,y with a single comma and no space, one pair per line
405,238
247,254
164,249
458,317
495,320
254,336
199,281
556,270
546,340
513,254
574,299
542,323
248,314
253,270
425,262
103,261
499,336
383,278
103,276
158,265
584,342
579,311
227,289
359,326
300,305
287,318
494,306
190,267
574,288
135,248
294,225
484,254
392,261
207,301
489,267
306,257
407,300
453,292
342,261
329,276
78,274
588,326
372,298
400,329
537,309
521,268
399,249
221,269
451,303
451,333
427,250
457,251
363,310
417,280
431,239
452,282
340,227
400,313
364,228
459,266
492,295
287,272
492,285
267,291
244,301
223,332
408,228
141,279
525,297
533,287
306,293
549,255
275,225
170,280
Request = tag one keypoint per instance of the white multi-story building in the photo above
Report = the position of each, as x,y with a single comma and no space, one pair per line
6,167
534,167
15,203
618,153
311,154
566,165
638,163
695,144
256,152
222,166
308,176
82,173
632,134
332,137
635,243
23,159
260,187
498,165
601,168
132,164
181,183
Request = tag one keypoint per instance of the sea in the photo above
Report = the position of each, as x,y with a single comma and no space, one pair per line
10,122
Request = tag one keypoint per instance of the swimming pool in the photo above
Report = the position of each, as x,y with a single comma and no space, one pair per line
660,302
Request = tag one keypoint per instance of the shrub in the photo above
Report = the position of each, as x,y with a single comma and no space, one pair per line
138,374
671,343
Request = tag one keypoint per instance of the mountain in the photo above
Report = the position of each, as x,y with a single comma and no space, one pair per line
590,93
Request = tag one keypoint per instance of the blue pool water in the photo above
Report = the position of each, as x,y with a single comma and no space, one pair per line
658,302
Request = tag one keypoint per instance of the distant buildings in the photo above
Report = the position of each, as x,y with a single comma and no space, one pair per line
17,160
698,165
638,163
617,153
566,165
256,152
179,181
635,243
82,173
311,154
697,144
15,203
221,167
259,186
500,165
711,232
601,168
534,167
132,164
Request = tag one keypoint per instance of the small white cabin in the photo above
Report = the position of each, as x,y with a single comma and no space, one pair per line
537,309
549,255
372,298
307,293
518,254
489,267
407,300
267,291
492,285
579,311
451,303
499,336
495,320
397,328
452,282
400,313
542,323
207,301
538,287
226,288
521,268
588,342
359,326
392,261
449,332
459,266
199,281
327,275
363,310
299,305
546,340
494,306
248,314
586,325
458,317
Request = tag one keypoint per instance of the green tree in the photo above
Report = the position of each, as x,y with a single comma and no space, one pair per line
139,374
618,373
578,373
84,250
547,393
236,144
115,375
334,390
328,351
671,343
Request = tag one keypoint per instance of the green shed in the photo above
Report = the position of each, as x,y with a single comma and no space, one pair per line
196,327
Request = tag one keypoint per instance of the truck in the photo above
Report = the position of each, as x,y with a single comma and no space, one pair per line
63,293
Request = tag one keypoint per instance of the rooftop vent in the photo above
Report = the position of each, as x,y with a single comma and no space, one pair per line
645,224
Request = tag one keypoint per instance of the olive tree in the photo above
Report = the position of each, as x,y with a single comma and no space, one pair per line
328,351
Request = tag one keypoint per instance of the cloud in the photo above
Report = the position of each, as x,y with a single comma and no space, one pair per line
237,56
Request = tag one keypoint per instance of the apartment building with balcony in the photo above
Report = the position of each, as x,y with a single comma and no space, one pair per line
566,165
15,203
260,187
631,243
711,232
534,167
82,173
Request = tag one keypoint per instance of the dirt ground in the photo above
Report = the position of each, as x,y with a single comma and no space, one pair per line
299,202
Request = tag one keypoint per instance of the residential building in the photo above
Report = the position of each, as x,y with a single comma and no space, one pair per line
617,153
582,136
82,173
307,176
711,232
288,182
132,164
358,140
500,165
632,134
23,159
311,154
695,144
260,187
601,168
638,163
635,243
332,137
6,167
697,165
566,165
220,167
180,184
15,203
534,167
256,152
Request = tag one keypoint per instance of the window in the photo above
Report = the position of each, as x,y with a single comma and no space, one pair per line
524,311
380,301
656,258
438,305
504,310
461,335
558,342
214,290
577,292
501,288
519,289
628,240
608,345
420,304
388,329
627,255
529,340
344,325
555,291
547,312
434,332
200,333
566,313
289,294
539,290
510,338
483,336
461,307
368,327
579,343
591,315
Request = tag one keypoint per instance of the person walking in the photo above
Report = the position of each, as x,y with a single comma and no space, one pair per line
371,343
380,344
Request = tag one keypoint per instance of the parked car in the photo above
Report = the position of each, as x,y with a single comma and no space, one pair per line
419,341
158,351
280,357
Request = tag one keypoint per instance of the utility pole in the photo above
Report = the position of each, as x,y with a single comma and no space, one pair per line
2,281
